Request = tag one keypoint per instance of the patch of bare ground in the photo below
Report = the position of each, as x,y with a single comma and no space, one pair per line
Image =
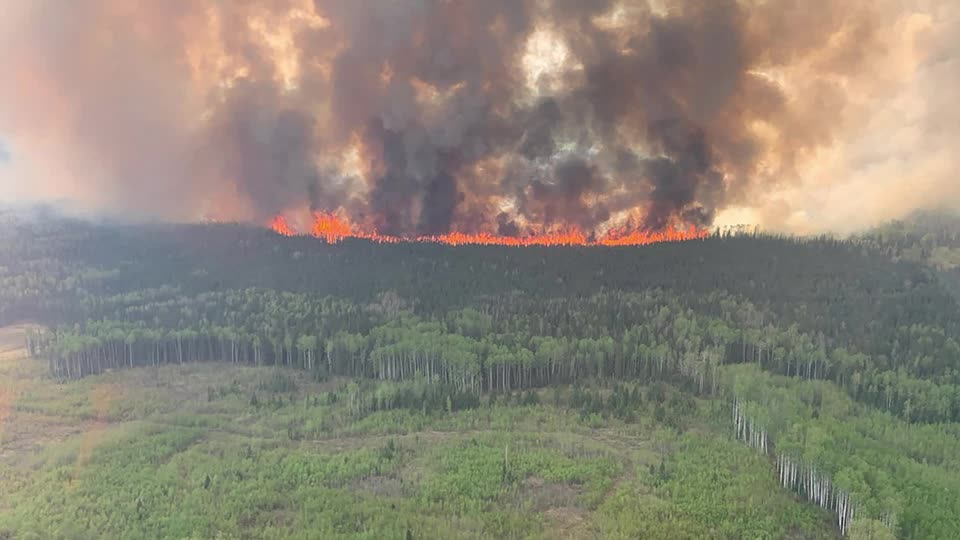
12,340
566,522
558,503
12,434
544,496
349,442
25,434
381,486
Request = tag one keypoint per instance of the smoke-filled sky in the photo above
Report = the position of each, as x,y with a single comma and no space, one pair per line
507,116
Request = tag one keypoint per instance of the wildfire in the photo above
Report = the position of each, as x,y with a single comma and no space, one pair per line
641,238
279,226
333,229
570,238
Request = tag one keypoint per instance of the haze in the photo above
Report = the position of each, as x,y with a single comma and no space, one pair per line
504,117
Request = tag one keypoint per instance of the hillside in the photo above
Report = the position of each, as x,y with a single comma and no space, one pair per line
736,386
931,238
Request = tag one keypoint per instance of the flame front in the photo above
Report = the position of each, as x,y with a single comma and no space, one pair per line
635,237
279,225
333,229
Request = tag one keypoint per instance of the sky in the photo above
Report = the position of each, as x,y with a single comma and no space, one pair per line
421,117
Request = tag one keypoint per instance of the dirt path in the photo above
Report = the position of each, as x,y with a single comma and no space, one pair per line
23,433
12,340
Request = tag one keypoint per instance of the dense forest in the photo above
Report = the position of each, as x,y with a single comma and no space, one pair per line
836,362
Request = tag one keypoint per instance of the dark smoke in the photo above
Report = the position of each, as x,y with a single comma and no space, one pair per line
651,117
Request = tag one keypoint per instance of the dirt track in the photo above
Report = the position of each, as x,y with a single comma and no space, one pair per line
12,340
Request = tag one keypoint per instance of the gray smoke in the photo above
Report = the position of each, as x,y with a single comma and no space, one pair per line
244,110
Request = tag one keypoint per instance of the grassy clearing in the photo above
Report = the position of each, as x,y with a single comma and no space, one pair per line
222,451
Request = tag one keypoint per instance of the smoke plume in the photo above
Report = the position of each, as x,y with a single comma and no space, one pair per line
418,117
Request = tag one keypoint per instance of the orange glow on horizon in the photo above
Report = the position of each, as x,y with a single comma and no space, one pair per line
333,229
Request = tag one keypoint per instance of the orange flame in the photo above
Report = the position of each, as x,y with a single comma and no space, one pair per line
333,229
279,226
572,237
624,237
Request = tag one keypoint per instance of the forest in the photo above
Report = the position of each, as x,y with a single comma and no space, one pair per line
738,386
